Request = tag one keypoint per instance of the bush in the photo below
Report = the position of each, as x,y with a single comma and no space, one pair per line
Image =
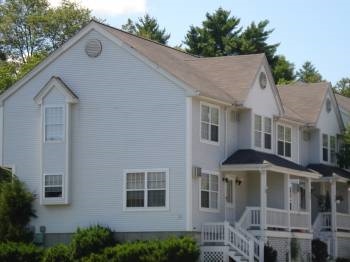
59,253
294,249
319,251
270,254
342,259
172,249
91,240
15,211
20,252
94,258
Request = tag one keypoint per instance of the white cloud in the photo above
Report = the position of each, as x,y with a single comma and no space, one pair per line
111,7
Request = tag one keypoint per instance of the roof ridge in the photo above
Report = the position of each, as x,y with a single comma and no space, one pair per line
143,38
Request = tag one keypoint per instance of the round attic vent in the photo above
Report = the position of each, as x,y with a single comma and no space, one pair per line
93,48
328,105
262,80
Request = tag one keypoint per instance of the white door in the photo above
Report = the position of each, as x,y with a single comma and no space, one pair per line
294,194
229,200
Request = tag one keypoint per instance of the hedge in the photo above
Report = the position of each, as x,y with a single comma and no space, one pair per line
20,252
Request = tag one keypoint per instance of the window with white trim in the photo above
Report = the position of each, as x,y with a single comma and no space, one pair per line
262,132
146,189
54,123
53,186
229,191
333,149
284,141
209,191
209,123
325,147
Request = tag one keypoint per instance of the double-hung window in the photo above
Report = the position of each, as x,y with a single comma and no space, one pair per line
54,123
53,186
146,189
284,141
333,149
209,123
325,147
209,191
262,132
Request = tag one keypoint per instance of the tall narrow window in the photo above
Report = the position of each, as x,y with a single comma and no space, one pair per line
325,147
262,132
209,123
53,186
229,191
146,189
333,148
284,141
257,130
209,191
54,123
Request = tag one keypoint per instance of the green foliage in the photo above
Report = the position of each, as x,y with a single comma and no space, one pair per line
7,74
270,254
294,249
319,251
170,250
218,35
15,211
253,40
91,240
343,156
5,175
283,71
147,27
20,252
343,87
308,73
58,253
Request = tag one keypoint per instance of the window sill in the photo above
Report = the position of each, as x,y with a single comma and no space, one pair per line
209,210
145,209
54,201
208,142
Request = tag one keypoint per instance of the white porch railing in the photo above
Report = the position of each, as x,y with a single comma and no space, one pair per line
244,243
343,221
276,218
323,221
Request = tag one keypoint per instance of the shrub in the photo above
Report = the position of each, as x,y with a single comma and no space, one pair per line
342,259
15,211
94,258
294,249
91,240
270,254
20,252
180,249
319,251
59,253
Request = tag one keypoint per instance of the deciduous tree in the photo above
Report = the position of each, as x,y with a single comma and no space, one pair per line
343,87
308,73
283,71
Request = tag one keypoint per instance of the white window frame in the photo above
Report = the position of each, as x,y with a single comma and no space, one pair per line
232,181
262,133
63,123
53,199
209,141
145,189
284,140
331,149
205,209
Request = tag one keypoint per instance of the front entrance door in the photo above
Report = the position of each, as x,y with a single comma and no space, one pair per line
229,200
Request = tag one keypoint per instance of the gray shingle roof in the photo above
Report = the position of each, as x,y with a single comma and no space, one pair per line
225,78
303,101
328,171
343,102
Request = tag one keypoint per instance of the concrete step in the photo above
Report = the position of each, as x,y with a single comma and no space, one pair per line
237,257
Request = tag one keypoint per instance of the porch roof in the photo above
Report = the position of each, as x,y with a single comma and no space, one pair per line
329,171
249,156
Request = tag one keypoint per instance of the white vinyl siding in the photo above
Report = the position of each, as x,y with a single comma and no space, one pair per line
146,189
284,141
209,123
262,132
53,186
54,123
209,191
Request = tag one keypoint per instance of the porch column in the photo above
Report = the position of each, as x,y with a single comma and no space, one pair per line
308,202
287,197
334,215
263,199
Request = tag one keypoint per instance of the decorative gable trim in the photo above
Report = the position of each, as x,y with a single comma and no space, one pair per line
56,82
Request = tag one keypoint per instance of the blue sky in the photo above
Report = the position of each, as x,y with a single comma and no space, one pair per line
313,30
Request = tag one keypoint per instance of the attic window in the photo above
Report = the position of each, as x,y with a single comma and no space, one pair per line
328,105
262,80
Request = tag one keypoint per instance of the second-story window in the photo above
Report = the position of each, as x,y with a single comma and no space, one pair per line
332,141
325,147
284,141
209,123
262,132
54,123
